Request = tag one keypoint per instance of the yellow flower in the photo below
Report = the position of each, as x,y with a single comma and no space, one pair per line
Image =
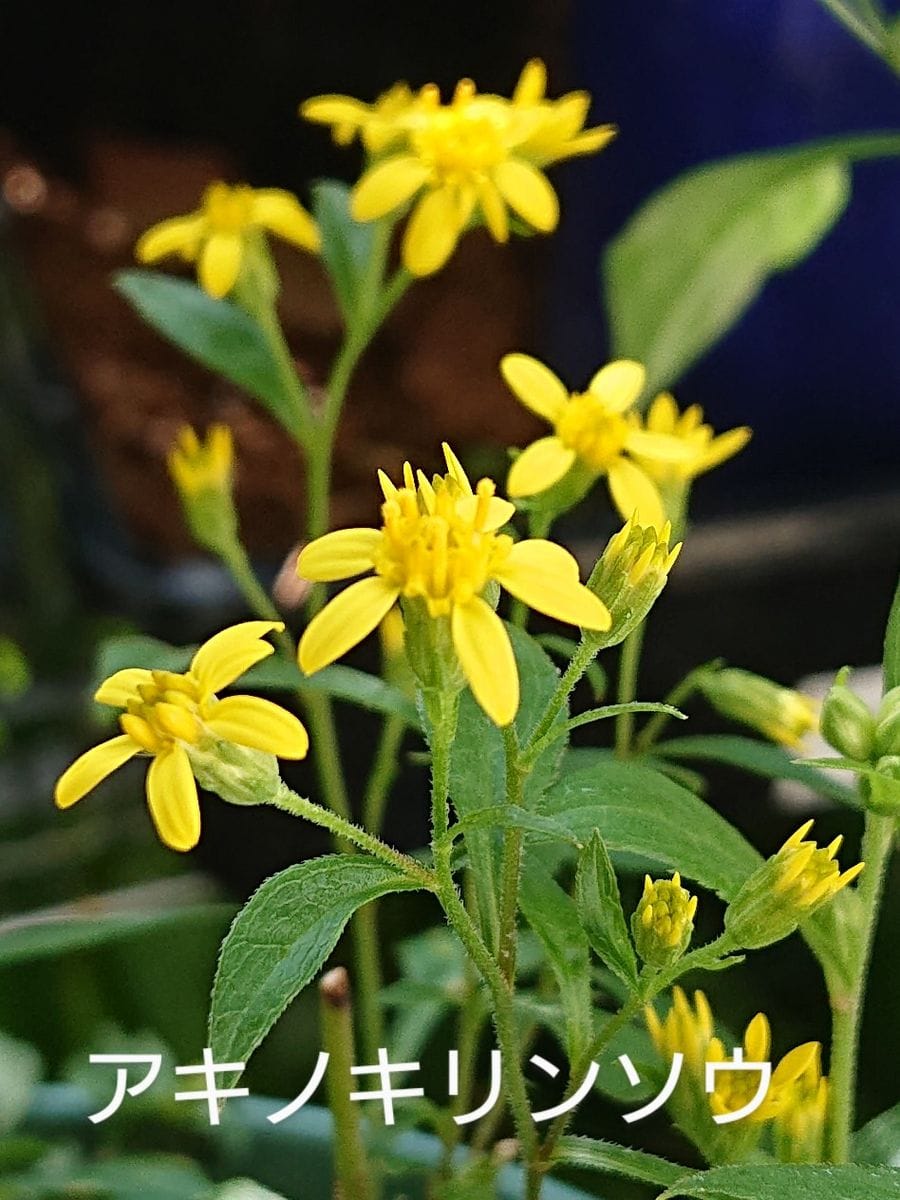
556,127
478,157
593,428
166,714
630,574
663,921
799,1128
378,125
216,235
807,874
439,548
197,466
707,450
685,1029
779,713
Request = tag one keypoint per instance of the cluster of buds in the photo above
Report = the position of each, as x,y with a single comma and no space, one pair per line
781,714
786,890
203,475
663,922
870,741
630,574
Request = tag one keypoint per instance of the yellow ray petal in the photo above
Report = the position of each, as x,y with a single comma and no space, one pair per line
532,85
338,555
172,798
283,214
387,186
535,385
486,657
122,686
662,415
499,512
619,384
456,469
94,765
528,192
260,724
660,446
178,235
334,110
495,215
228,654
220,263
539,466
724,447
545,577
633,492
344,621
432,232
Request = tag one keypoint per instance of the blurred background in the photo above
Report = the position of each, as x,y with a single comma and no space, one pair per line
113,117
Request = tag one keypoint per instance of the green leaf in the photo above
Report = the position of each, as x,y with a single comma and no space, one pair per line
609,1159
20,1071
892,645
137,650
215,333
281,938
600,910
783,1182
346,244
879,1140
552,916
697,253
640,811
759,758
509,816
340,682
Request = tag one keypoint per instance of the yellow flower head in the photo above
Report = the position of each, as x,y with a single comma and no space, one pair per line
378,125
595,429
686,1029
707,450
736,1089
479,157
778,712
205,466
807,874
439,548
216,235
800,1121
166,714
663,921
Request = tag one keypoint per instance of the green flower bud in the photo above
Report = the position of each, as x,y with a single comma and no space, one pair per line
785,890
887,726
236,773
663,922
779,713
629,576
846,722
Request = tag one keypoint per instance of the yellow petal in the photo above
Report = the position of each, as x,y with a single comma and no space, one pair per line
485,654
260,724
795,1063
456,469
227,655
94,765
544,576
220,263
532,85
619,384
539,466
339,555
334,110
172,798
633,492
528,192
495,215
660,446
387,186
535,385
178,235
432,232
344,621
285,215
122,686
499,512
723,447
662,415
758,1039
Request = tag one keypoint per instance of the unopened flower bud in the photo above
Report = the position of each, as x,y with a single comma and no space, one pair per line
630,574
779,713
785,890
202,472
846,722
663,922
887,724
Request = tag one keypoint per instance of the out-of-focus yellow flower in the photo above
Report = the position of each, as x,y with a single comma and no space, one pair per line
197,466
707,450
555,127
799,1128
595,429
216,236
166,714
686,1029
663,921
439,548
378,125
778,712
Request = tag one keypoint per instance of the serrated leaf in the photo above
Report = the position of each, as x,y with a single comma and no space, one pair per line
785,1182
609,1159
600,910
215,333
280,939
346,244
892,645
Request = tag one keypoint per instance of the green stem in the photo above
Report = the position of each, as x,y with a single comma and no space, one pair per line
682,691
847,1002
511,863
383,773
588,649
629,664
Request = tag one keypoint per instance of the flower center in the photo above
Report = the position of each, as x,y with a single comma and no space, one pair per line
434,545
228,209
462,139
597,435
164,711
